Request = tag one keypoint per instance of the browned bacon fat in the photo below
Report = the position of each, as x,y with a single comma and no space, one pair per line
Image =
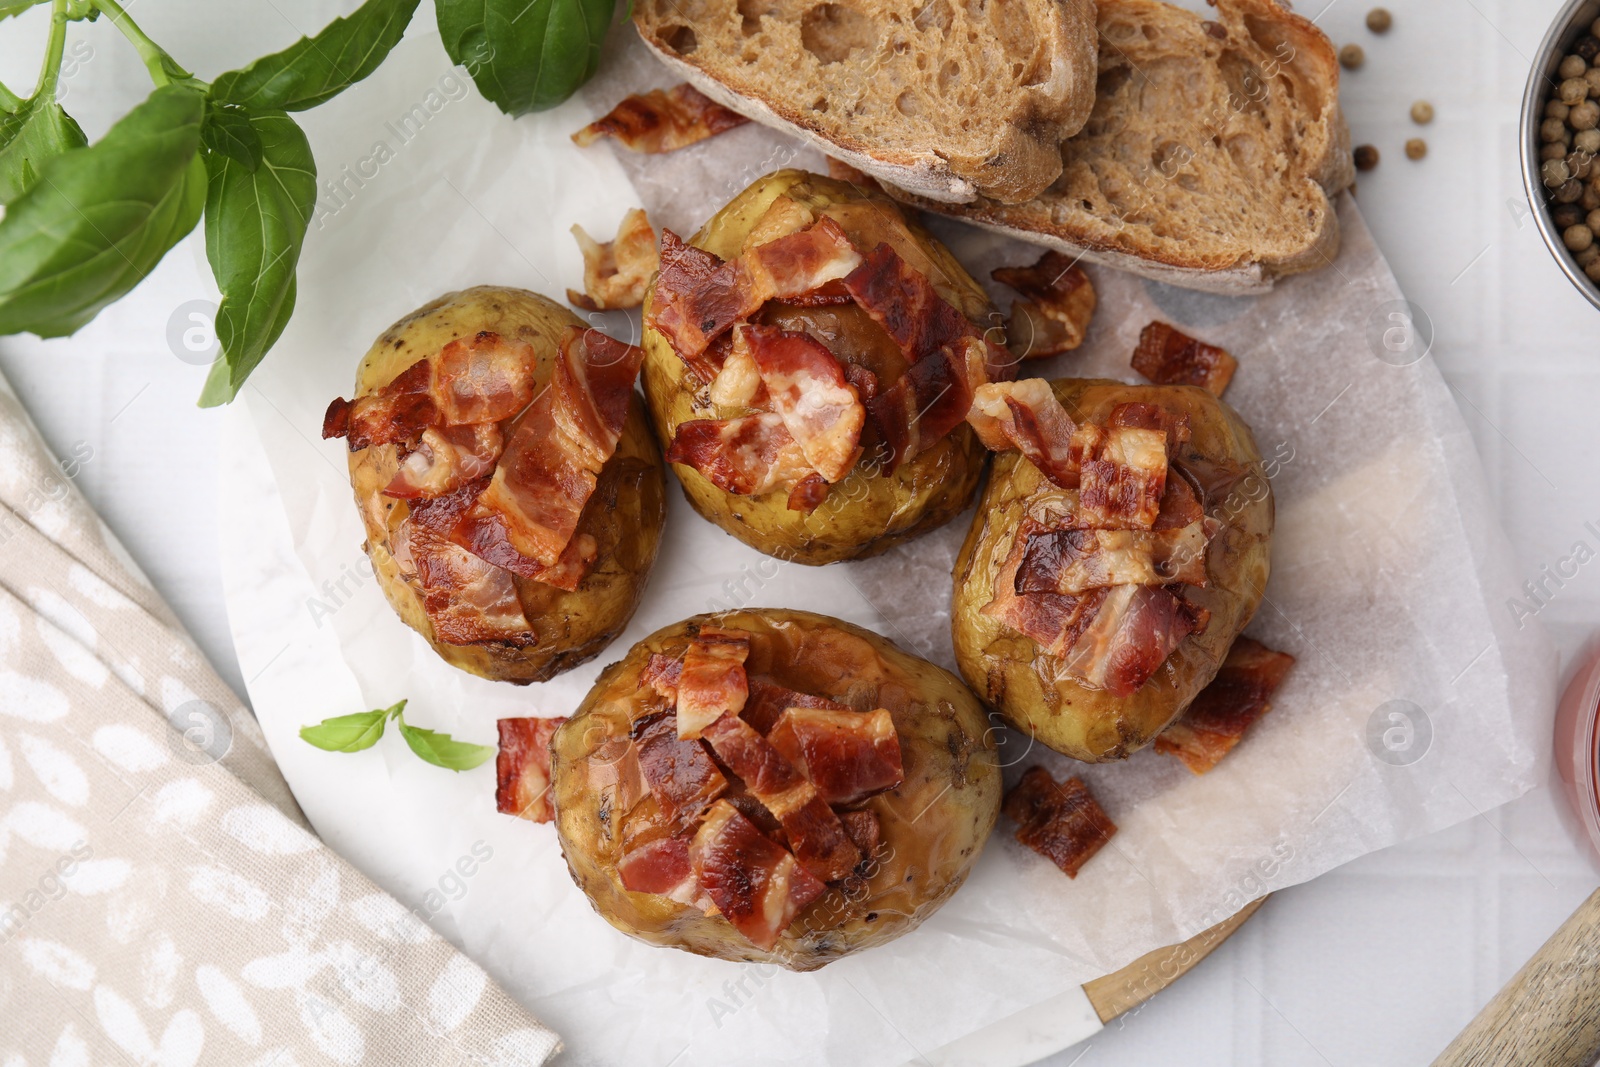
662,120
522,768
1060,821
1168,357
617,272
1239,695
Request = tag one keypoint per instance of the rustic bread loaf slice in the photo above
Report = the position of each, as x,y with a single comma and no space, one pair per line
1211,157
947,99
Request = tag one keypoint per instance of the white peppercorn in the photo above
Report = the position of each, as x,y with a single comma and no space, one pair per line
1379,20
1587,141
1552,130
1571,192
1555,172
1574,91
1593,221
1586,116
1588,255
1422,112
1416,148
1590,198
1573,67
1593,78
1593,271
1581,164
1555,109
1567,215
1553,151
1351,57
1578,237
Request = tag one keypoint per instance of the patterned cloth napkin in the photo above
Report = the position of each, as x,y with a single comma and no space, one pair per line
162,899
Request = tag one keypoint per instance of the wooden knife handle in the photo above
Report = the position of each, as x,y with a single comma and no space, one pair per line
1548,1015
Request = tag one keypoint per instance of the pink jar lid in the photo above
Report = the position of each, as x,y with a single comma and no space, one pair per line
1577,743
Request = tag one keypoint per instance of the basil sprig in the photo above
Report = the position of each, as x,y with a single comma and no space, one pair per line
352,733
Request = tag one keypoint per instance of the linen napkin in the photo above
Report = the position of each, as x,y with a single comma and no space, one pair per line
162,899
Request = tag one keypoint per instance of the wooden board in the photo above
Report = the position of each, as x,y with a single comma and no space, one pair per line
1124,990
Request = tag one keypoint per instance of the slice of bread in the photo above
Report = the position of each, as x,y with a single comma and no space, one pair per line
1212,155
947,99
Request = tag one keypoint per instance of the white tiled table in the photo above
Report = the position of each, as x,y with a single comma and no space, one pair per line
1380,962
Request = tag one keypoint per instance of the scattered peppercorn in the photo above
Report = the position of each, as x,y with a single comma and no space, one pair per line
1367,157
1422,112
1416,148
1379,20
1351,57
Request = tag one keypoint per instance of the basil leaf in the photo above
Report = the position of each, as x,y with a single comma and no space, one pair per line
525,55
227,131
17,7
100,218
442,750
255,224
39,131
350,733
314,69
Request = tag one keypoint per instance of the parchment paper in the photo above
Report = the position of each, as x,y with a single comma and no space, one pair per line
1388,584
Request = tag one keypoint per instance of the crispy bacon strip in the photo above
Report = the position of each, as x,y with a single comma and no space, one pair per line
1053,620
1059,302
799,264
1026,415
1076,561
903,301
662,867
769,700
712,681
483,533
1122,476
929,400
750,455
695,300
1062,822
617,272
522,768
808,390
662,673
681,775
466,599
662,120
399,411
1168,357
1131,636
483,378
1239,695
847,755
559,445
756,883
445,459
815,834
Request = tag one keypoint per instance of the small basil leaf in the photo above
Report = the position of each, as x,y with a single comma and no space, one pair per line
39,131
100,218
17,7
227,131
314,69
347,733
442,750
525,55
255,224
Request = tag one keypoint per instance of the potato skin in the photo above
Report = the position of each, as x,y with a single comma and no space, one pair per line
866,513
624,515
1029,687
934,823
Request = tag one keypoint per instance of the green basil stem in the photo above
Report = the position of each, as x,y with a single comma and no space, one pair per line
156,60
54,50
9,101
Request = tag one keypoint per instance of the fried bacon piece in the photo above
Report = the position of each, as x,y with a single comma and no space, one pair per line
466,599
617,272
681,775
559,445
483,378
864,829
445,459
1054,621
769,700
808,390
801,263
816,836
711,682
1060,821
847,755
1239,695
1122,476
808,493
1143,416
1134,631
662,120
1054,317
903,301
661,673
750,455
694,301
1168,357
399,411
929,400
1076,561
1026,415
755,883
522,768
662,867
482,532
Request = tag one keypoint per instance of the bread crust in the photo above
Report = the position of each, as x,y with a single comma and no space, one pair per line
1015,157
1317,170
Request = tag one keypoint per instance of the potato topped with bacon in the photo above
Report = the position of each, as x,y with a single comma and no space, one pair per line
511,491
810,357
772,786
1122,544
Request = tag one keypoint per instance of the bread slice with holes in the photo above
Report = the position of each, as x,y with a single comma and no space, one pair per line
947,99
1212,155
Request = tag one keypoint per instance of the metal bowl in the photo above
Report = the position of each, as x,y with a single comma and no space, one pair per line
1573,22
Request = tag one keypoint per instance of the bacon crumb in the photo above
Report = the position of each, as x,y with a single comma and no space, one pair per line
522,768
1060,821
1240,694
662,120
1168,357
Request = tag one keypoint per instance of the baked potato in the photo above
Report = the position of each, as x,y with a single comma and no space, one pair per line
931,825
557,628
882,501
1034,689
